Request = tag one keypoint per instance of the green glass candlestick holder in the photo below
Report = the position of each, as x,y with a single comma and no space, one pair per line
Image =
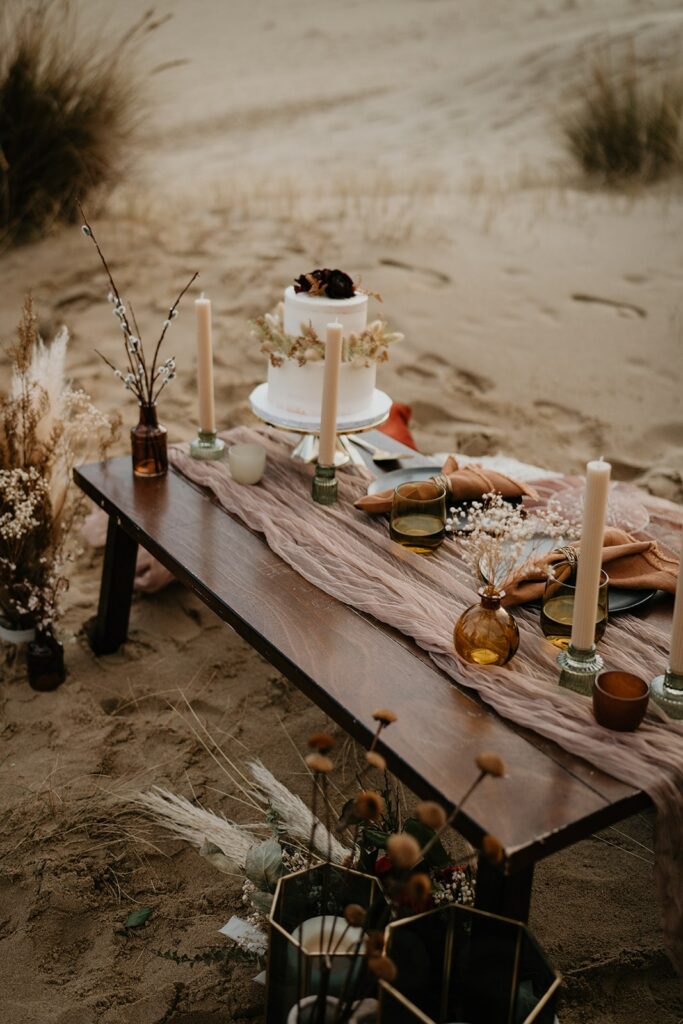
207,445
579,669
324,487
667,691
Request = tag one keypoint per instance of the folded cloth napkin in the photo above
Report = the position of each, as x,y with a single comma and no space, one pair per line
629,563
466,483
398,424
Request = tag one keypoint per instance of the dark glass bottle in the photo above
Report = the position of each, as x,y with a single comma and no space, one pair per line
149,444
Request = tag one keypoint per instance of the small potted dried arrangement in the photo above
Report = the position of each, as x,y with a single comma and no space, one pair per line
46,428
145,378
499,542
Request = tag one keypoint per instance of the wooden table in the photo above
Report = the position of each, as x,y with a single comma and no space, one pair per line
348,663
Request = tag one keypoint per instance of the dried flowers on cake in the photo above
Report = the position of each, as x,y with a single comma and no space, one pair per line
360,348
333,284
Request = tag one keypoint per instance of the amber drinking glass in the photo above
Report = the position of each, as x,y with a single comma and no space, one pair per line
418,516
148,441
558,604
620,700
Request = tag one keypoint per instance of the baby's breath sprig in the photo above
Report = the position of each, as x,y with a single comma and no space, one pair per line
501,541
146,382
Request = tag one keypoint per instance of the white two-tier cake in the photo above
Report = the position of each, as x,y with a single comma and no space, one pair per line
294,339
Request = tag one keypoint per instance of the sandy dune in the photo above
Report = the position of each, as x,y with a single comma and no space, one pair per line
415,144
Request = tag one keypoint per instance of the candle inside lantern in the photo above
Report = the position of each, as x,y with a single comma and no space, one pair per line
207,413
328,411
590,555
676,649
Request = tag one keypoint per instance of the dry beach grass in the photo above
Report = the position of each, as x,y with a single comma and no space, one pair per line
542,317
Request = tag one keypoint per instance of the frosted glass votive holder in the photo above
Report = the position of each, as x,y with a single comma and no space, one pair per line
247,462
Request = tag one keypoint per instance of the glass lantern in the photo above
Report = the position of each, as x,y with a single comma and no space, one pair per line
458,965
310,945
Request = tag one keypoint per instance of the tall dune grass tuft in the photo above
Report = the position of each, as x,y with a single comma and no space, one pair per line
69,110
627,125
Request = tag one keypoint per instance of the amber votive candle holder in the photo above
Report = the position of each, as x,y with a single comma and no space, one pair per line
620,700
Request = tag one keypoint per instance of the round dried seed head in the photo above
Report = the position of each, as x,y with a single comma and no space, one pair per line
355,915
431,814
490,764
403,849
492,849
319,763
368,805
375,760
384,716
383,968
322,742
418,887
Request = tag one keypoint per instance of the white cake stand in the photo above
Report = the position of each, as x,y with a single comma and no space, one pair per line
309,426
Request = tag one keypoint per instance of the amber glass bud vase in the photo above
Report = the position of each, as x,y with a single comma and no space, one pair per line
486,634
148,440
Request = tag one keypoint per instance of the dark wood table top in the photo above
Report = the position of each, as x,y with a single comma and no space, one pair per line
349,664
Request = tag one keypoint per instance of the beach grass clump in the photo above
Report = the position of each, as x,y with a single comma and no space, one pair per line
69,111
626,126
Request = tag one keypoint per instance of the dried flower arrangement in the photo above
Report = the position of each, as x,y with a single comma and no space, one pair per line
145,380
500,541
360,349
408,863
46,428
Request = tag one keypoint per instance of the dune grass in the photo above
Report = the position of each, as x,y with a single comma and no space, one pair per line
69,110
626,125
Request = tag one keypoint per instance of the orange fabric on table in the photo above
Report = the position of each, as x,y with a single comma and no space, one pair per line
630,564
468,483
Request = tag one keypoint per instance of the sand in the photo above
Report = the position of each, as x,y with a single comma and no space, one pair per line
415,144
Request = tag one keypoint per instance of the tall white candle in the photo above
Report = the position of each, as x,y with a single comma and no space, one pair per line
590,555
328,409
676,650
207,412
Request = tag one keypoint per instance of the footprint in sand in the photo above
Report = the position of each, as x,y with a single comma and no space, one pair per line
432,367
435,278
622,308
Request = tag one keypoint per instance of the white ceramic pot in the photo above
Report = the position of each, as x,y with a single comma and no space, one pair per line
364,1012
302,1013
16,636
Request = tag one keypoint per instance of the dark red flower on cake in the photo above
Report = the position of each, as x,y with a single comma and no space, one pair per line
335,284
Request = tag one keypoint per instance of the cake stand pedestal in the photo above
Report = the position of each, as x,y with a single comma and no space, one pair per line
309,426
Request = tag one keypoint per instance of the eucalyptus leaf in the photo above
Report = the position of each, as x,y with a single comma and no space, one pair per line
138,917
217,859
375,837
264,865
436,855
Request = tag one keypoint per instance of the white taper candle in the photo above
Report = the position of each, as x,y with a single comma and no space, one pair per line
207,412
676,649
585,609
330,399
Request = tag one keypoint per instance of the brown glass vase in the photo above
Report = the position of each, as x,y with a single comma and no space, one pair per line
149,444
485,633
45,662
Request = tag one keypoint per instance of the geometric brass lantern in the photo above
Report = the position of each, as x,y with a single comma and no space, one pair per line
294,973
457,964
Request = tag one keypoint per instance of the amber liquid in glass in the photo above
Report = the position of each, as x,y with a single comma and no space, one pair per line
556,620
418,531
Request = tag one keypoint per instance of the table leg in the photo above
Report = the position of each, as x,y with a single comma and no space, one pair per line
508,895
110,629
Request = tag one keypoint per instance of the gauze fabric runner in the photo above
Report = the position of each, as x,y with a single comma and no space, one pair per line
349,555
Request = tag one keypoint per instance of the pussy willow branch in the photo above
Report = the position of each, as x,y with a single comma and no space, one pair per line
119,300
168,321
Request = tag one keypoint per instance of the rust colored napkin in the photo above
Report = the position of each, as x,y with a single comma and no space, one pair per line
629,563
467,484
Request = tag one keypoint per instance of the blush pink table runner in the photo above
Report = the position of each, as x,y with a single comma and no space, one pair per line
349,555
